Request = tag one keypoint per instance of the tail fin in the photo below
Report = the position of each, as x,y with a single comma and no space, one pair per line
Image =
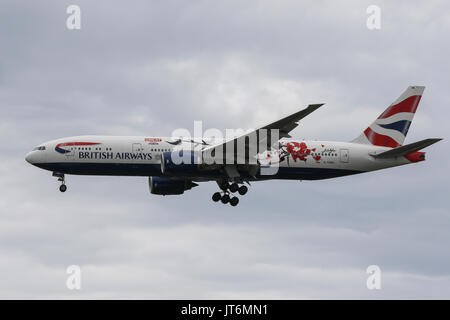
391,127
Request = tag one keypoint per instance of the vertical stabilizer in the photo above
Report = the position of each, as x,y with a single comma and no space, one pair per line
391,127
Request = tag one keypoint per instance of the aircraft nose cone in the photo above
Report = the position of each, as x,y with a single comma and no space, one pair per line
29,158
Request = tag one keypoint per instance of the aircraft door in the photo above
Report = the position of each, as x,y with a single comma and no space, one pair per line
344,155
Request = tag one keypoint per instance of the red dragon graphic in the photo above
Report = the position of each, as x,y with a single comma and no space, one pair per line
299,150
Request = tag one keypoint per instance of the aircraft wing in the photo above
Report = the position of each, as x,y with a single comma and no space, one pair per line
263,134
289,123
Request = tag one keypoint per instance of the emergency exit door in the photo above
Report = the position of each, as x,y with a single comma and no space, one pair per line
344,155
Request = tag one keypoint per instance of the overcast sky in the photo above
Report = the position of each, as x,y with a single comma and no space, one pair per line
150,67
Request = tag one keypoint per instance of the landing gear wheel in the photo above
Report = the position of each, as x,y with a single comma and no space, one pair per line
225,198
61,179
234,187
242,190
224,186
234,201
216,196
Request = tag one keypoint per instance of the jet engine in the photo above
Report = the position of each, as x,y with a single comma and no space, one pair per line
166,186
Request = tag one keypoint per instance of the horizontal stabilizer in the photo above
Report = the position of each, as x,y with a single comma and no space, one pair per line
406,149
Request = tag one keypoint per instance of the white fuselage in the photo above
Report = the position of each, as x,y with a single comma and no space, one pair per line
141,156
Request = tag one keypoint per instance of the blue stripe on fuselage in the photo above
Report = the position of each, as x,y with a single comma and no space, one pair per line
60,150
147,169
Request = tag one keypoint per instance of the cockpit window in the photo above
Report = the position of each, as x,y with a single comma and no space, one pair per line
40,148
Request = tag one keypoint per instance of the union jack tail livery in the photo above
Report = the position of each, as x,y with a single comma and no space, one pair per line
391,127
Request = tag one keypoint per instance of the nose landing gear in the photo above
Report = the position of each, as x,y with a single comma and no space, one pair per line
61,178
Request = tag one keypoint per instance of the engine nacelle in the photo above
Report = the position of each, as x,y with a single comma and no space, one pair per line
166,186
179,162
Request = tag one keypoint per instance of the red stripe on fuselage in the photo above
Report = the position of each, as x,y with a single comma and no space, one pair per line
68,144
380,139
408,105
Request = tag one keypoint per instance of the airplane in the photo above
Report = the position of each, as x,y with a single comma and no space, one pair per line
379,146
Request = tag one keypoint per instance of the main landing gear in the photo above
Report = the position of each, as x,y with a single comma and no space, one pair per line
61,178
224,196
